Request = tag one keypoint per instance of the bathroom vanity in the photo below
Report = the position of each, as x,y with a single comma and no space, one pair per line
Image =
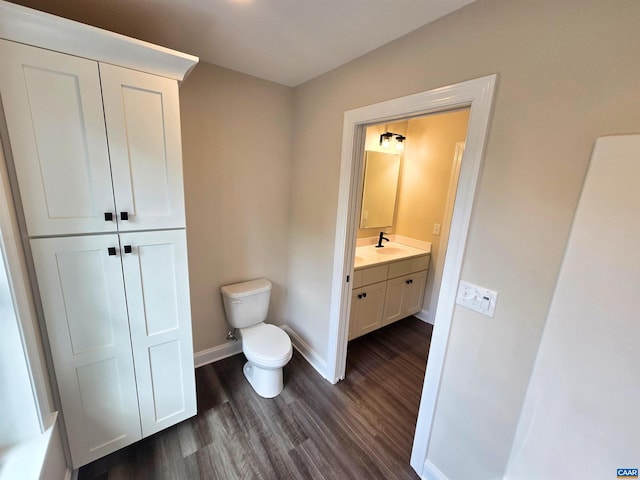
388,285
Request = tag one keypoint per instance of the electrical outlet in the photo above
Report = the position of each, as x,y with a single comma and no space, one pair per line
436,229
477,298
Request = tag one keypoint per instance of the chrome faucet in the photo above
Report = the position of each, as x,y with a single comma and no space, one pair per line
382,237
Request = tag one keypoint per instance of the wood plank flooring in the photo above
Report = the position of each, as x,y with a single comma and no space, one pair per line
361,428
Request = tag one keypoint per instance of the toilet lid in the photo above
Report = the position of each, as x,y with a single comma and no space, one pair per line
266,342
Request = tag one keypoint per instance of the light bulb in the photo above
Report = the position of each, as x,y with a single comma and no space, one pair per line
385,142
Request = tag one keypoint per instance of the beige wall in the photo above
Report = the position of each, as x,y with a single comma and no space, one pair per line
568,74
236,133
430,147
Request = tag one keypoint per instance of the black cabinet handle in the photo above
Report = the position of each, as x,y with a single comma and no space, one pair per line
409,282
108,217
124,215
364,295
111,250
359,295
127,249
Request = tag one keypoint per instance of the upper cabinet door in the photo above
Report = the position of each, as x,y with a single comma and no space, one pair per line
53,109
143,127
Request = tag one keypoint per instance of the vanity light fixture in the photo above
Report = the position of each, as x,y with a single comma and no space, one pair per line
385,140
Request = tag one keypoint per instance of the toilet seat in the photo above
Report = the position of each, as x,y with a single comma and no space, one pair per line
266,345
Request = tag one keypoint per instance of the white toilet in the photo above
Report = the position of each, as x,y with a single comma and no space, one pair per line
267,347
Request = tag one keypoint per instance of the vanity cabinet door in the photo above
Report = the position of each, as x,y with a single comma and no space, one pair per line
85,312
393,305
355,311
157,286
369,308
414,294
404,296
142,115
53,109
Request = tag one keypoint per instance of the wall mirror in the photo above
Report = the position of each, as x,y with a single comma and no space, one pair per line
381,171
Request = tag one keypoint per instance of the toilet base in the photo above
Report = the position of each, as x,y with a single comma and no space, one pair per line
266,382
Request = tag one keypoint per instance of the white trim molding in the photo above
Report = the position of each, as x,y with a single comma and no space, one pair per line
309,354
478,96
431,472
424,316
214,354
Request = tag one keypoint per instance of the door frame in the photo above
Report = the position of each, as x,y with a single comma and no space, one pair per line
476,94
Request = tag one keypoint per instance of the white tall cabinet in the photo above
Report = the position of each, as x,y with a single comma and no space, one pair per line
97,156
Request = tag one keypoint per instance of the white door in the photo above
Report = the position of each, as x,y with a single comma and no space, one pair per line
143,126
157,284
53,107
85,311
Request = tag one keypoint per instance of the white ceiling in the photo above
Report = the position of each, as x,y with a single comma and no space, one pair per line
286,41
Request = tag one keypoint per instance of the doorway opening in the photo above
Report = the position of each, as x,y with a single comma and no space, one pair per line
477,95
404,218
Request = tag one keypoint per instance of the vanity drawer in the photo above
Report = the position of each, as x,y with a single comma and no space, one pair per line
367,276
411,265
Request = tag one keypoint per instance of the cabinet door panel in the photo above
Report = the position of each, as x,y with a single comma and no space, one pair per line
371,308
85,312
53,108
415,293
157,286
354,313
394,300
143,127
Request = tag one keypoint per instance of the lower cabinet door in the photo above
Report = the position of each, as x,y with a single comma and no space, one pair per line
371,308
157,285
83,298
404,296
353,316
414,295
393,305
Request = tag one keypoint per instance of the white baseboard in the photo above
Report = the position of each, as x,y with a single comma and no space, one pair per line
72,474
214,354
309,354
431,472
424,316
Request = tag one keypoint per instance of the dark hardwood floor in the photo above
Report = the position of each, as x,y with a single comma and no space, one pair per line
361,428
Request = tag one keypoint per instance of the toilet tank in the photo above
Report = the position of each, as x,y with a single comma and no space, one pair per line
246,303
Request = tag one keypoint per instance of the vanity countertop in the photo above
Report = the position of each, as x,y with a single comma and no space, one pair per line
369,255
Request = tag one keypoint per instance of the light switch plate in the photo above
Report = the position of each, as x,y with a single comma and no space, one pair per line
477,298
